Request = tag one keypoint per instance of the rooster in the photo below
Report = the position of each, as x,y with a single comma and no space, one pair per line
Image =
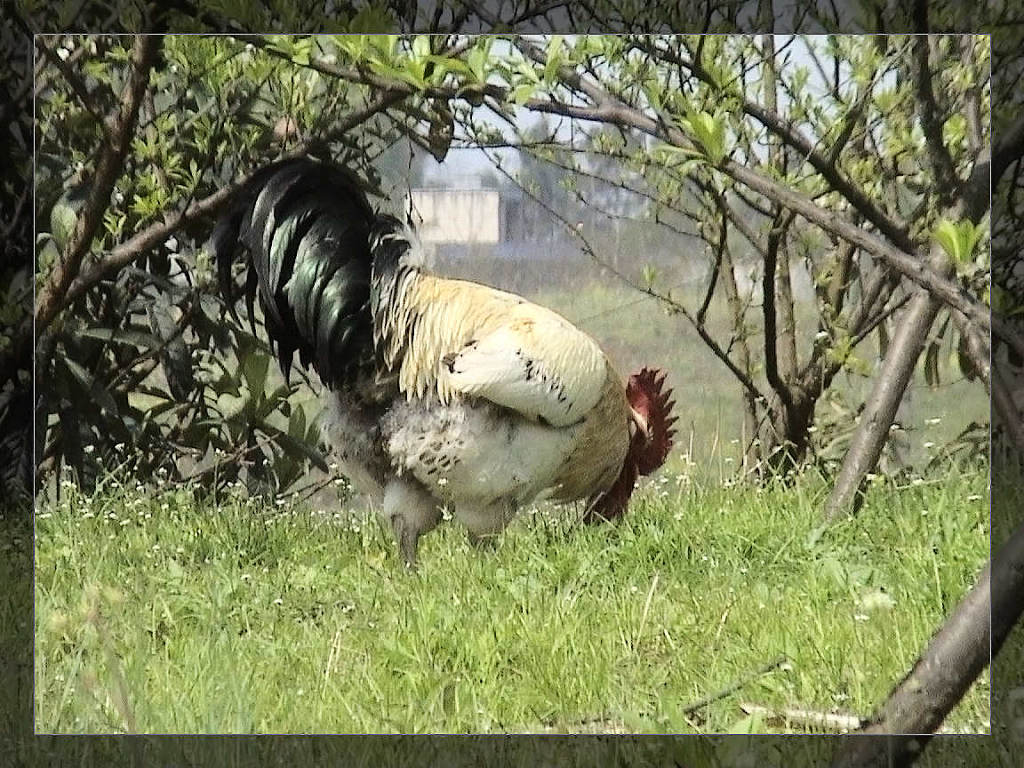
440,393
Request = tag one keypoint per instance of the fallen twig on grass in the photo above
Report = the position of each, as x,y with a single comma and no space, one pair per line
833,722
734,686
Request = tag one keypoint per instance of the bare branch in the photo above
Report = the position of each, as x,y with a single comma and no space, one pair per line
953,659
823,163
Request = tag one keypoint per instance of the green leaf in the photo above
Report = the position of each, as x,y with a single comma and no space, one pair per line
649,274
666,153
709,131
297,423
421,46
300,447
94,388
254,369
554,58
523,93
122,336
958,239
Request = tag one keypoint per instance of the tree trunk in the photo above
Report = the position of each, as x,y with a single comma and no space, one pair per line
752,450
956,655
886,395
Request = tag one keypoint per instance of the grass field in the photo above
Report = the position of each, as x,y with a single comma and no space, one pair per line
158,614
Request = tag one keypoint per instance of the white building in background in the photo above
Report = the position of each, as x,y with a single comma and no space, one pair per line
467,216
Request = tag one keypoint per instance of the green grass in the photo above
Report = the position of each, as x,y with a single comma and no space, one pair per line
158,614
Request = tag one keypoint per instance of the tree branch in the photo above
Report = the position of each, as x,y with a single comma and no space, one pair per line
771,363
953,659
109,166
947,182
914,267
824,163
131,249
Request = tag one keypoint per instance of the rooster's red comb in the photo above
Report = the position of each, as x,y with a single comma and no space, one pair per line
647,395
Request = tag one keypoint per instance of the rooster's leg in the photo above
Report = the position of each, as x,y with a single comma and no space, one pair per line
408,539
485,522
412,512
